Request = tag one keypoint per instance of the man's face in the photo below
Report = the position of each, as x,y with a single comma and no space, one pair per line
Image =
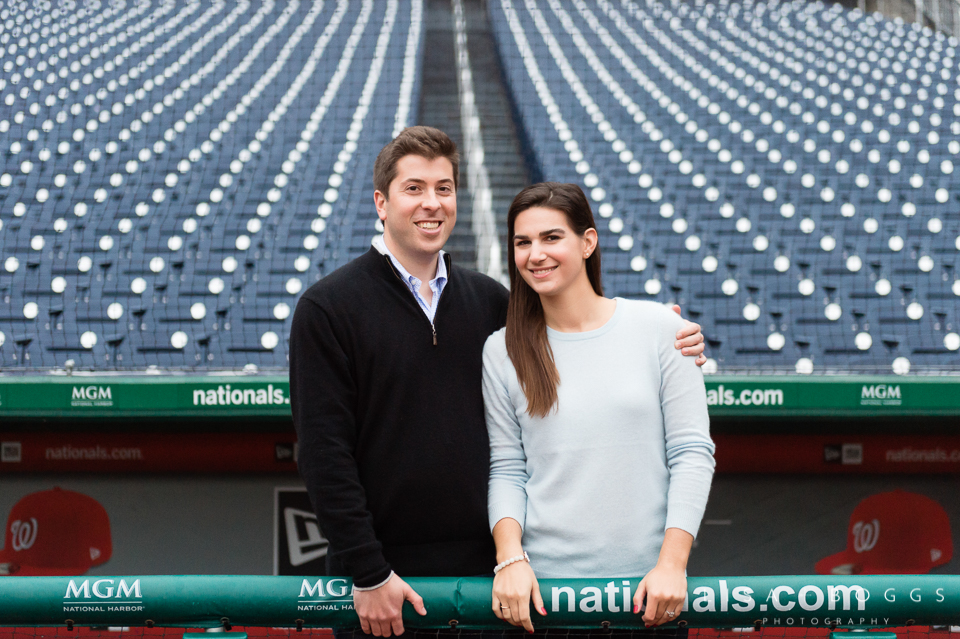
420,209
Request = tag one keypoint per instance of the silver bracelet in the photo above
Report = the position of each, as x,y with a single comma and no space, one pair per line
503,564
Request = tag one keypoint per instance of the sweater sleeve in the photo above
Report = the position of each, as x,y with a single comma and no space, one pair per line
323,395
689,449
507,495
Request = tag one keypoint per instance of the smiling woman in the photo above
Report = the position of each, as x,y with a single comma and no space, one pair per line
600,454
549,234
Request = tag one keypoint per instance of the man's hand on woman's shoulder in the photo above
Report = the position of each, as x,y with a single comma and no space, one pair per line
690,339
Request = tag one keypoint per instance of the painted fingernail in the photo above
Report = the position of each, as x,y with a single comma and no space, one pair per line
636,608
543,611
648,625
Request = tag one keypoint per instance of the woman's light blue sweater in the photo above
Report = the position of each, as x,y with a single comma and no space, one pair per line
625,454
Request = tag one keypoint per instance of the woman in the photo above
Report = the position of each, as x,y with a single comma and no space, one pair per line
601,458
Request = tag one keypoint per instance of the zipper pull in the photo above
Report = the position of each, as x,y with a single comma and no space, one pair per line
434,329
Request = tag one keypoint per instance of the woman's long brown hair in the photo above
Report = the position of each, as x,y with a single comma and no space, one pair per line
526,337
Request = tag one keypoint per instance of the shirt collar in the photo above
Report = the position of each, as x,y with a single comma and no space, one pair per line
381,248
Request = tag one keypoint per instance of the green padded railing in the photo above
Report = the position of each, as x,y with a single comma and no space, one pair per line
714,602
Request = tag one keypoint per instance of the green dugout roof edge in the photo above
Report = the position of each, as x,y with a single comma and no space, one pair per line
268,395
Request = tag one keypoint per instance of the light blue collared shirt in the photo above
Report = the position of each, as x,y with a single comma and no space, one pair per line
436,284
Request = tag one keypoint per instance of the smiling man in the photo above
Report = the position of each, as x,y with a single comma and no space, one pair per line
385,380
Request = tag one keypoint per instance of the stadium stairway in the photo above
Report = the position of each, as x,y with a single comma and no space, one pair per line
508,169
440,107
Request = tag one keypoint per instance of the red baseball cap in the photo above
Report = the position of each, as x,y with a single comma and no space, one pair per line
55,532
893,533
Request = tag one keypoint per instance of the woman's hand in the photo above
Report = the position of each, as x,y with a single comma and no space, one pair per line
665,589
513,588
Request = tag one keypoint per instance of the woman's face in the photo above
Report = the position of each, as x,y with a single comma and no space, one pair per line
548,254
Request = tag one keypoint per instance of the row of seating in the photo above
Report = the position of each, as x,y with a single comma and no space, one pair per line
782,170
173,174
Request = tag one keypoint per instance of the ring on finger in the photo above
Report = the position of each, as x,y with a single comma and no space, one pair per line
671,614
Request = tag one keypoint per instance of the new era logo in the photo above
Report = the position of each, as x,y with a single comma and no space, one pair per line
10,452
304,540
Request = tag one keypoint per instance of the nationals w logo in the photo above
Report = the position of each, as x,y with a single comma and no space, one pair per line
23,533
865,535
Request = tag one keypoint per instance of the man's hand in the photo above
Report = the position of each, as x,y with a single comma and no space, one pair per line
380,610
690,339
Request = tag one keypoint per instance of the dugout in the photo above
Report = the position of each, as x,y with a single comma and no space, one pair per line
198,474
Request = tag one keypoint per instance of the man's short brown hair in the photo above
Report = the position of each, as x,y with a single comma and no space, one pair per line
423,141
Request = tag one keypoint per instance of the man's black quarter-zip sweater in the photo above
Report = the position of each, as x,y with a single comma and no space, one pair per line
389,415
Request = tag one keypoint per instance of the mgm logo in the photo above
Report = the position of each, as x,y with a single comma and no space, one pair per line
881,395
334,594
103,595
91,396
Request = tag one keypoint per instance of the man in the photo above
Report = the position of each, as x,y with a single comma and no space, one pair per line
385,381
